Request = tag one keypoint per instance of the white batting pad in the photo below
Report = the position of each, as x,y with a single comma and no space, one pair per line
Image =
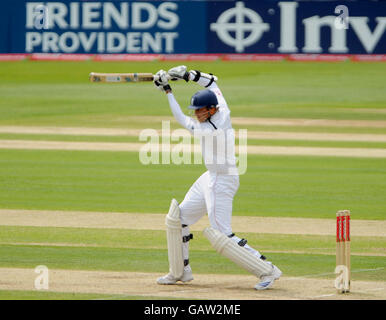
239,255
174,239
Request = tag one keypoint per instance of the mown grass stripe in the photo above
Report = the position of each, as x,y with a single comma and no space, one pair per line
316,251
135,147
273,186
151,221
109,133
375,141
152,239
148,260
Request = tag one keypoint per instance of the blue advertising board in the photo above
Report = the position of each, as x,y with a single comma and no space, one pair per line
79,26
297,27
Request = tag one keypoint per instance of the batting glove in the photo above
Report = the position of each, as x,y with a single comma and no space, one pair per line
161,81
179,73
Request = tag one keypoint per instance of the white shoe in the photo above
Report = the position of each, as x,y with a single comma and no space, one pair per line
268,280
170,279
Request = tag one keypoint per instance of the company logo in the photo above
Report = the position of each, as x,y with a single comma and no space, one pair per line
223,27
241,27
101,26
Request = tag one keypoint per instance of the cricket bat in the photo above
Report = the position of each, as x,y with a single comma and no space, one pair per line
121,77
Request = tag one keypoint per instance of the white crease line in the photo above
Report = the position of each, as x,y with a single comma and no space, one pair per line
197,290
332,273
118,296
375,289
158,294
324,296
364,270
335,294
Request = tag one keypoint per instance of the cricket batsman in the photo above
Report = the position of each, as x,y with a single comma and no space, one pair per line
213,191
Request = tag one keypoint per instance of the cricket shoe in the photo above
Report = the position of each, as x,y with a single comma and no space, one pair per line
268,280
170,279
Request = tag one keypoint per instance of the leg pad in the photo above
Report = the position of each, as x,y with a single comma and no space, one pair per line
174,239
238,254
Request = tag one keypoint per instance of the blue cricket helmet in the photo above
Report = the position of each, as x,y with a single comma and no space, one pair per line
203,98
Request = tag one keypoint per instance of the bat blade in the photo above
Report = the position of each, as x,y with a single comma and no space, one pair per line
120,77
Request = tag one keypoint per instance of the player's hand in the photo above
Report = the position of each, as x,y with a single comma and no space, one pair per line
179,73
161,81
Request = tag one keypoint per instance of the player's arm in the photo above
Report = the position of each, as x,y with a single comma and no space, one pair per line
206,80
163,85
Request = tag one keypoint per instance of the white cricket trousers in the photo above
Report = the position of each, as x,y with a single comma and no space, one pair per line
211,194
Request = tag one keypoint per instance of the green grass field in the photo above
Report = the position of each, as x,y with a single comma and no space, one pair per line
52,93
58,94
311,187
